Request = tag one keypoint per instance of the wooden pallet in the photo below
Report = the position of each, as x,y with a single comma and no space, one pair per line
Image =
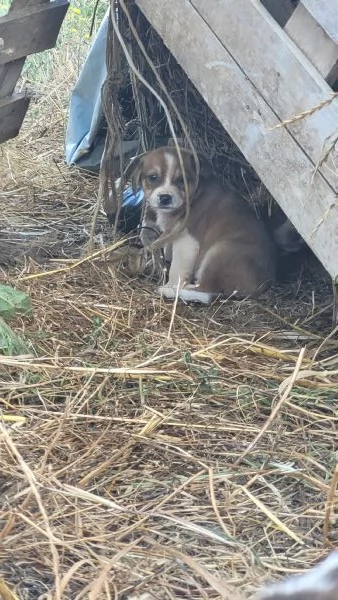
313,26
253,76
29,27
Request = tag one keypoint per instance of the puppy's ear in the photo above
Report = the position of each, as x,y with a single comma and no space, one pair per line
206,168
171,142
133,172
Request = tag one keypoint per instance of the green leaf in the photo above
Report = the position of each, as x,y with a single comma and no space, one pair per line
10,343
13,302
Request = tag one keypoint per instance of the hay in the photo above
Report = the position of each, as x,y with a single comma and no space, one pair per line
134,439
200,126
124,443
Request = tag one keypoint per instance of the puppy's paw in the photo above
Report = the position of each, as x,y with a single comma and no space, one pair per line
188,293
167,291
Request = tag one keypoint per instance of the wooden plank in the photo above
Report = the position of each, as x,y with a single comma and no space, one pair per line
276,156
325,12
20,4
34,30
313,40
277,68
12,112
281,10
9,75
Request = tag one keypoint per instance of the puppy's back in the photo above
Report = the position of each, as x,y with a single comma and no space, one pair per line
235,251
218,213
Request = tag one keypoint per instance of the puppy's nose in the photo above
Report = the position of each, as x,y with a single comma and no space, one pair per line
165,200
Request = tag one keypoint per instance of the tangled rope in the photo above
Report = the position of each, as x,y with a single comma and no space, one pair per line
178,110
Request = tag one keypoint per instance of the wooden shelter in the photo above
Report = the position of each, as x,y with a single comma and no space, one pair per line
267,70
29,27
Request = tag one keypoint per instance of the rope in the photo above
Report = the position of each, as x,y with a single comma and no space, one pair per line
117,49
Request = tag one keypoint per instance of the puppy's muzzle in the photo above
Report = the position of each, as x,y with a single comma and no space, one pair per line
165,201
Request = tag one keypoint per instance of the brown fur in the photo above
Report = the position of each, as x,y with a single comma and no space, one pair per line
234,250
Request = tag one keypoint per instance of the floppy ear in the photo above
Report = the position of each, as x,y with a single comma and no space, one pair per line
133,172
206,168
319,583
171,142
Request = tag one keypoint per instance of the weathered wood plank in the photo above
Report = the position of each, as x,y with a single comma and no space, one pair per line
19,4
12,112
34,30
286,80
313,40
325,12
276,156
281,10
9,75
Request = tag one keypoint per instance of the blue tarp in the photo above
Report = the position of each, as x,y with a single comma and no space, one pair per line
85,134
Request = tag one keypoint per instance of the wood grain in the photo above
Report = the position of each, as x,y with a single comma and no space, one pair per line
278,158
12,112
32,30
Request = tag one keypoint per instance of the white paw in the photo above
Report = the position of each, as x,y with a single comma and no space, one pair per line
187,294
191,294
167,291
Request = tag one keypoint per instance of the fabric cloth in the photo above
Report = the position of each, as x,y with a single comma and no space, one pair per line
86,124
86,130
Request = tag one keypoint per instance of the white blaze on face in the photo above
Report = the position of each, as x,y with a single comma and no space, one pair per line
167,187
319,583
171,166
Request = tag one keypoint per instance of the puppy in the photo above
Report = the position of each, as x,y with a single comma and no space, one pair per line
222,249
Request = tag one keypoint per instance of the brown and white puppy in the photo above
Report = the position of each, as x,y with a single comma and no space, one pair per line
223,248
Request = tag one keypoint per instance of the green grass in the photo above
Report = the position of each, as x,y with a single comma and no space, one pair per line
4,5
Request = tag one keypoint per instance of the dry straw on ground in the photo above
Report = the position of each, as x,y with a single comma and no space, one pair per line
148,450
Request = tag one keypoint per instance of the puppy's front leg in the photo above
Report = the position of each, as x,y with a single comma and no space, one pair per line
149,229
184,255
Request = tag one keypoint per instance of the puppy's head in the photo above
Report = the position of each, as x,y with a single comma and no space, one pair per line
160,175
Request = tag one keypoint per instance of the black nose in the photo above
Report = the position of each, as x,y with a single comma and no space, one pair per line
165,200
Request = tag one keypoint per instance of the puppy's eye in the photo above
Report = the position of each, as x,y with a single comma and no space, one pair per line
152,178
180,181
